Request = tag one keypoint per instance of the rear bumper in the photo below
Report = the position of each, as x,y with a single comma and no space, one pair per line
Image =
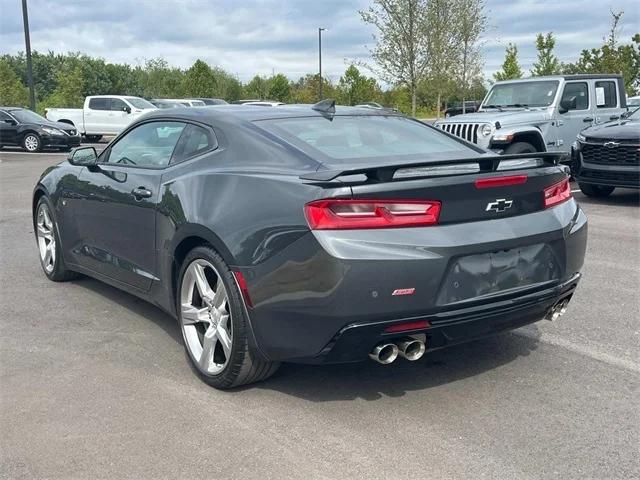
329,296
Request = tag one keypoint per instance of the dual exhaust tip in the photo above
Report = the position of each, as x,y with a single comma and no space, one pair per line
409,348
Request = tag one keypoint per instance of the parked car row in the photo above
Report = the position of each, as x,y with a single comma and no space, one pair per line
546,114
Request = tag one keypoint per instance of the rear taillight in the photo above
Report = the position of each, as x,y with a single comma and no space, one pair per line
557,193
356,214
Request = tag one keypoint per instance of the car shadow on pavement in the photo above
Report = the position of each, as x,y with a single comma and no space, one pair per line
134,304
621,197
366,380
371,381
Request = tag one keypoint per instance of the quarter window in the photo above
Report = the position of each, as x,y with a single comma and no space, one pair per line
606,96
99,104
4,116
196,140
580,90
149,145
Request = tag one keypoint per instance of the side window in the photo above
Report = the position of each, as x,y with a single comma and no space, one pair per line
118,105
579,90
196,140
149,145
99,104
4,116
606,95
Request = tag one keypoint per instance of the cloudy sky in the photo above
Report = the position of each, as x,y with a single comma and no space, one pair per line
246,37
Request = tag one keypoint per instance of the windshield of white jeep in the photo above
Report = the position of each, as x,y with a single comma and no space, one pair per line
522,94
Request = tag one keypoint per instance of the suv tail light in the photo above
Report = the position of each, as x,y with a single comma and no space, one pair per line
357,214
557,193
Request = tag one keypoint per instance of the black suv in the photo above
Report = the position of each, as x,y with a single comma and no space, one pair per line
607,156
27,129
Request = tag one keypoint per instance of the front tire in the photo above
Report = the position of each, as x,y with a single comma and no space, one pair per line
49,246
214,325
32,142
93,138
520,147
598,191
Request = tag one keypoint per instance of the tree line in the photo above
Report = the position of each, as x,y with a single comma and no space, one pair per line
612,57
427,53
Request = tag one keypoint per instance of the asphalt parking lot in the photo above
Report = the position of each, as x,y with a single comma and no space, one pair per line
94,383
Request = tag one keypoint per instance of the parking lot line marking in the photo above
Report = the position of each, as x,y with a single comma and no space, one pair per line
581,350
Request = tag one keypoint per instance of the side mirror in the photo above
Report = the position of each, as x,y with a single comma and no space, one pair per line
126,109
567,104
626,114
83,157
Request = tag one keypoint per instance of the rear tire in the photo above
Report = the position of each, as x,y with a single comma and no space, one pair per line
214,324
519,147
93,138
32,142
597,191
49,246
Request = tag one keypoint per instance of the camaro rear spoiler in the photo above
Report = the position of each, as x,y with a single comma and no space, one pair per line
385,173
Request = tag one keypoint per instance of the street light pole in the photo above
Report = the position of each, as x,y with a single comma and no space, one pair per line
320,61
27,41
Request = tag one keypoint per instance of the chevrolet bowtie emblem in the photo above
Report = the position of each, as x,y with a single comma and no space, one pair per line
611,144
499,205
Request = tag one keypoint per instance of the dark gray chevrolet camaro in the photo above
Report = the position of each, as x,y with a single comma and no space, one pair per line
313,233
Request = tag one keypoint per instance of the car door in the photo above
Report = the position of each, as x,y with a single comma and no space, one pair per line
119,116
117,215
576,115
607,100
96,116
8,129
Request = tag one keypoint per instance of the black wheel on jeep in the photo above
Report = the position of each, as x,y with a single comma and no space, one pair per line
93,138
520,147
596,190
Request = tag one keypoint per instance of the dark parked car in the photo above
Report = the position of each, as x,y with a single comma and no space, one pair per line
456,109
162,103
212,101
607,156
32,132
313,233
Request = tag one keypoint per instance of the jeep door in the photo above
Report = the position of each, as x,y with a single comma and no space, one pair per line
606,100
574,113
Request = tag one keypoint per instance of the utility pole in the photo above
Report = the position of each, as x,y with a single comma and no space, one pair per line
320,30
27,41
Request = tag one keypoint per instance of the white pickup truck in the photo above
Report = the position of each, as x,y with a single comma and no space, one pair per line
101,114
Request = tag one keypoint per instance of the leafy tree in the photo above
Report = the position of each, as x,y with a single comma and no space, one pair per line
12,90
401,52
305,90
279,88
199,80
70,89
470,23
510,68
612,57
257,88
356,88
547,63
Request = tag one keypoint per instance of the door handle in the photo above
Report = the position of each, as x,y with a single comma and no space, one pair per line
587,119
614,117
141,192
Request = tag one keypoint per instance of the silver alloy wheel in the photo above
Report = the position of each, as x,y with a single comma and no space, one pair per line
31,143
46,238
204,316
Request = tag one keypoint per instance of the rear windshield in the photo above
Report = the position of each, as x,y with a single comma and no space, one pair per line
355,138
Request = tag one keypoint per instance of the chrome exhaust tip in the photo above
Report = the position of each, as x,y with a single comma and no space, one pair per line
411,349
384,353
557,310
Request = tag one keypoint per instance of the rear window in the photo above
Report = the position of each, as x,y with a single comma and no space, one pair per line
364,137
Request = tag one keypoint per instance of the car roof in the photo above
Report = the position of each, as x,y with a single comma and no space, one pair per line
250,113
579,76
11,109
